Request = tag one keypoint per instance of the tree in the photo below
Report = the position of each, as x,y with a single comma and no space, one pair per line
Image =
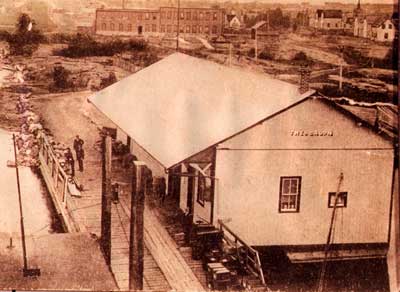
302,59
111,79
26,38
60,77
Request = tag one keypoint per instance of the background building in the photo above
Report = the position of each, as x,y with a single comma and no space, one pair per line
329,19
206,21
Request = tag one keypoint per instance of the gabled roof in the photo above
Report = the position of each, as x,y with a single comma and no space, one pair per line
182,105
229,17
259,24
377,20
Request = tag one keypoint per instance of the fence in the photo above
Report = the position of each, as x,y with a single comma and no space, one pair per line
250,255
57,183
126,64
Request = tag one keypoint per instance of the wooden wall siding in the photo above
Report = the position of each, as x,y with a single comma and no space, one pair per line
249,179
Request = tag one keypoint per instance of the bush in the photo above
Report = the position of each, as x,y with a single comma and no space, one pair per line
82,45
111,79
301,59
266,55
4,35
355,57
60,77
60,38
24,41
144,59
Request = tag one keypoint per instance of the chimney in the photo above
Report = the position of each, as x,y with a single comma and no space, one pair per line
304,79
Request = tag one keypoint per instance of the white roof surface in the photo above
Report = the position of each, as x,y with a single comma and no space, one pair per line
181,105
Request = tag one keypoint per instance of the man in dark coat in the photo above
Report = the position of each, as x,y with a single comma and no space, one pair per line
80,154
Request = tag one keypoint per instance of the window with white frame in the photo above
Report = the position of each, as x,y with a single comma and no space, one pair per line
340,198
289,194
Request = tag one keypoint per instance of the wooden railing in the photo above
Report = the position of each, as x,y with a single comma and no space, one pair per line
250,256
57,183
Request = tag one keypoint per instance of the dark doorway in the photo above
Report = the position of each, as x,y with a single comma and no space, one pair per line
128,142
140,29
174,183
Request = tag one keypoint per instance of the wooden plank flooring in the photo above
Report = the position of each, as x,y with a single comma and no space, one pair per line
87,213
165,251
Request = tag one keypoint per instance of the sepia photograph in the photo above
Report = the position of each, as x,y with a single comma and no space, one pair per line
199,145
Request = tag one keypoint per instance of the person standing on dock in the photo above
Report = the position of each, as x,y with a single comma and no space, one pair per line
70,161
80,154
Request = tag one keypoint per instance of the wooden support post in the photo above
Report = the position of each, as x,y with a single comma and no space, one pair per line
136,244
256,47
106,199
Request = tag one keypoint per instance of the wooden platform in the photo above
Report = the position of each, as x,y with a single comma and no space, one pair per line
165,251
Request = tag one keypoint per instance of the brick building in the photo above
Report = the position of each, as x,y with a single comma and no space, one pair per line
205,21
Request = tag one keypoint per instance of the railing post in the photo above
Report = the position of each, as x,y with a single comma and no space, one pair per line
65,190
136,246
56,176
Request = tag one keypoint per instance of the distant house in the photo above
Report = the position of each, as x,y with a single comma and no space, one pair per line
386,31
375,27
328,19
348,25
245,149
232,21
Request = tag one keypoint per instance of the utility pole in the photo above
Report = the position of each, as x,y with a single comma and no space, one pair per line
230,54
26,271
256,47
177,31
341,69
321,281
105,238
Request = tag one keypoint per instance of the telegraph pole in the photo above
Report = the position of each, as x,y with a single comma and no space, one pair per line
230,54
26,271
341,69
177,31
